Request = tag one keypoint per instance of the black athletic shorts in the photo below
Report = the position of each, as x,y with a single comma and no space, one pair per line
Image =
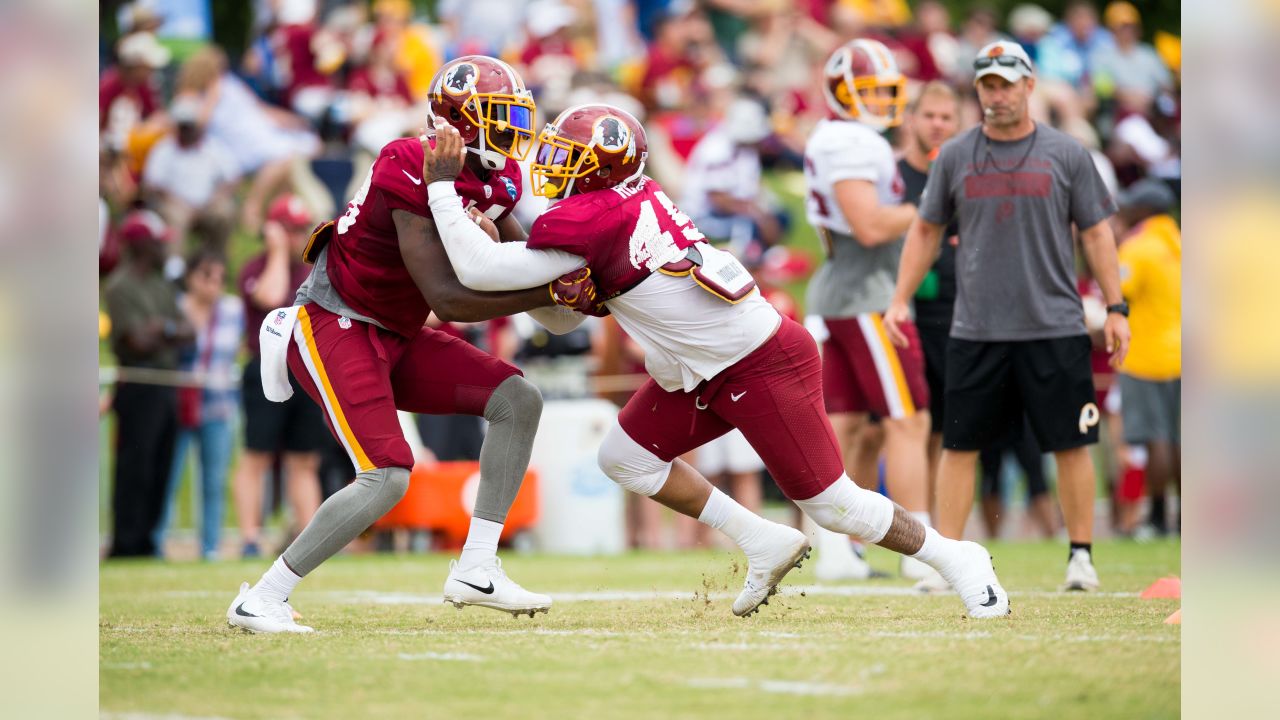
933,341
991,384
295,425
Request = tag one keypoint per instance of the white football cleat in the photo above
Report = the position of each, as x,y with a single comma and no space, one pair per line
974,578
1081,575
837,569
255,613
837,559
787,549
932,584
912,569
487,585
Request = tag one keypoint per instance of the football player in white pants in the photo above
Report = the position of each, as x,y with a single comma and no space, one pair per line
718,354
855,203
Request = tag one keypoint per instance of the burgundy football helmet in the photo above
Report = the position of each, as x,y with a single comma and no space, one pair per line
862,82
589,147
486,101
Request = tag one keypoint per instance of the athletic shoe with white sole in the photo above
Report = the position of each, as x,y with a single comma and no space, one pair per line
831,569
787,549
837,560
1081,575
974,578
932,584
912,569
487,585
258,614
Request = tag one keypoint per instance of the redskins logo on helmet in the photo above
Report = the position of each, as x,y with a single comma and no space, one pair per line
589,147
862,82
486,101
461,79
611,134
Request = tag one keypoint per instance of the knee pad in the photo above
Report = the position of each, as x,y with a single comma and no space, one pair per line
514,397
846,508
389,484
630,465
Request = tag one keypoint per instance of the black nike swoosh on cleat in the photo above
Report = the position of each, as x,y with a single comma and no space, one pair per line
991,598
486,591
240,611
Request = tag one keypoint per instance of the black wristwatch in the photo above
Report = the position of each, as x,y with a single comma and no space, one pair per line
1121,308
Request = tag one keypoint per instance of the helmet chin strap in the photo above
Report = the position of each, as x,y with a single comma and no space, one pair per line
490,159
639,171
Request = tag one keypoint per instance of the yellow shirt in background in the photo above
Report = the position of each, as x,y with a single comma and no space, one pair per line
879,13
1151,280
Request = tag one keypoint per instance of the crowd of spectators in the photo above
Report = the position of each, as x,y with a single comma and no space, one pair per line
195,146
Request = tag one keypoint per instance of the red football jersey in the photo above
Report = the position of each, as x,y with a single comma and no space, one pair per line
625,233
364,262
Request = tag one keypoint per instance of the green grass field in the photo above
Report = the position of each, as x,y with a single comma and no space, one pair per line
643,636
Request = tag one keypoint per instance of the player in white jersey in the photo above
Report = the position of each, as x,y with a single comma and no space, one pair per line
855,202
719,355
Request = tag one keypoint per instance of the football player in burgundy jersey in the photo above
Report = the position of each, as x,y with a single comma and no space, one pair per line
355,340
718,355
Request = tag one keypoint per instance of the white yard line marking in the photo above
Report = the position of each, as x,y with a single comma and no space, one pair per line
787,687
745,646
452,656
405,598
400,598
151,716
808,638
144,665
580,632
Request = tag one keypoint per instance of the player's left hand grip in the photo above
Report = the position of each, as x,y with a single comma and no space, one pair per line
577,291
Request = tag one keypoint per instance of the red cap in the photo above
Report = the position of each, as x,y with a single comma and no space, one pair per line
142,226
290,211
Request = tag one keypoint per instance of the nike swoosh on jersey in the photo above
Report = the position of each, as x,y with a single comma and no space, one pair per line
416,181
734,396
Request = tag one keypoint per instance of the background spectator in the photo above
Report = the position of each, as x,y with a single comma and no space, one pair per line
1029,24
127,93
723,191
1129,69
264,140
190,179
978,30
1151,377
380,106
1067,52
207,410
147,331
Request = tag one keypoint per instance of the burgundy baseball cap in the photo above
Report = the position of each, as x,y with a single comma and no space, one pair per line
290,211
142,226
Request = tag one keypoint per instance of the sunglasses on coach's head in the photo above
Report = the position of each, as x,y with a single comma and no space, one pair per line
983,63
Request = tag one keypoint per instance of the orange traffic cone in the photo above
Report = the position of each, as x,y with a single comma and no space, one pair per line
1175,618
1165,587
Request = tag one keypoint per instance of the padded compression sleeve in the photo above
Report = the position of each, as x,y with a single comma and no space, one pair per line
482,264
513,412
345,515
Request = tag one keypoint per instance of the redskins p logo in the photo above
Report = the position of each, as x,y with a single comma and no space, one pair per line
1089,416
461,79
613,135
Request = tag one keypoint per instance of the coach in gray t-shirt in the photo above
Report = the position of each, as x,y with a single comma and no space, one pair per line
1015,202
1018,344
